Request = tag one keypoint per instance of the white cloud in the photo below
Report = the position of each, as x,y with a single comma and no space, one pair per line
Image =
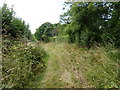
36,12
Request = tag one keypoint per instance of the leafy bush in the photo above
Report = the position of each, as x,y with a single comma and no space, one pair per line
20,64
45,38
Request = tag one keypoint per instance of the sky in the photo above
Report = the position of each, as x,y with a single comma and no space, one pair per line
37,12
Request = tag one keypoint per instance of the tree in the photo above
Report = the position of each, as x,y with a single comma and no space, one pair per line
7,16
15,27
90,23
45,31
111,33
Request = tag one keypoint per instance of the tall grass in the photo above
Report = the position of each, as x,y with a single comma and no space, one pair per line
100,66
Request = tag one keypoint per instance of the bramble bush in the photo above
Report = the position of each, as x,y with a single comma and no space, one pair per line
21,63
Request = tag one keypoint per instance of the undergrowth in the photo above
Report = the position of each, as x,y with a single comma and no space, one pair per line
100,66
21,63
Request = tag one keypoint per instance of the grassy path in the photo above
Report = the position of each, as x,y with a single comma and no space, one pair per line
71,67
61,71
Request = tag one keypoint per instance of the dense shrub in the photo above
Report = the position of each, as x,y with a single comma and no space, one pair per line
20,64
